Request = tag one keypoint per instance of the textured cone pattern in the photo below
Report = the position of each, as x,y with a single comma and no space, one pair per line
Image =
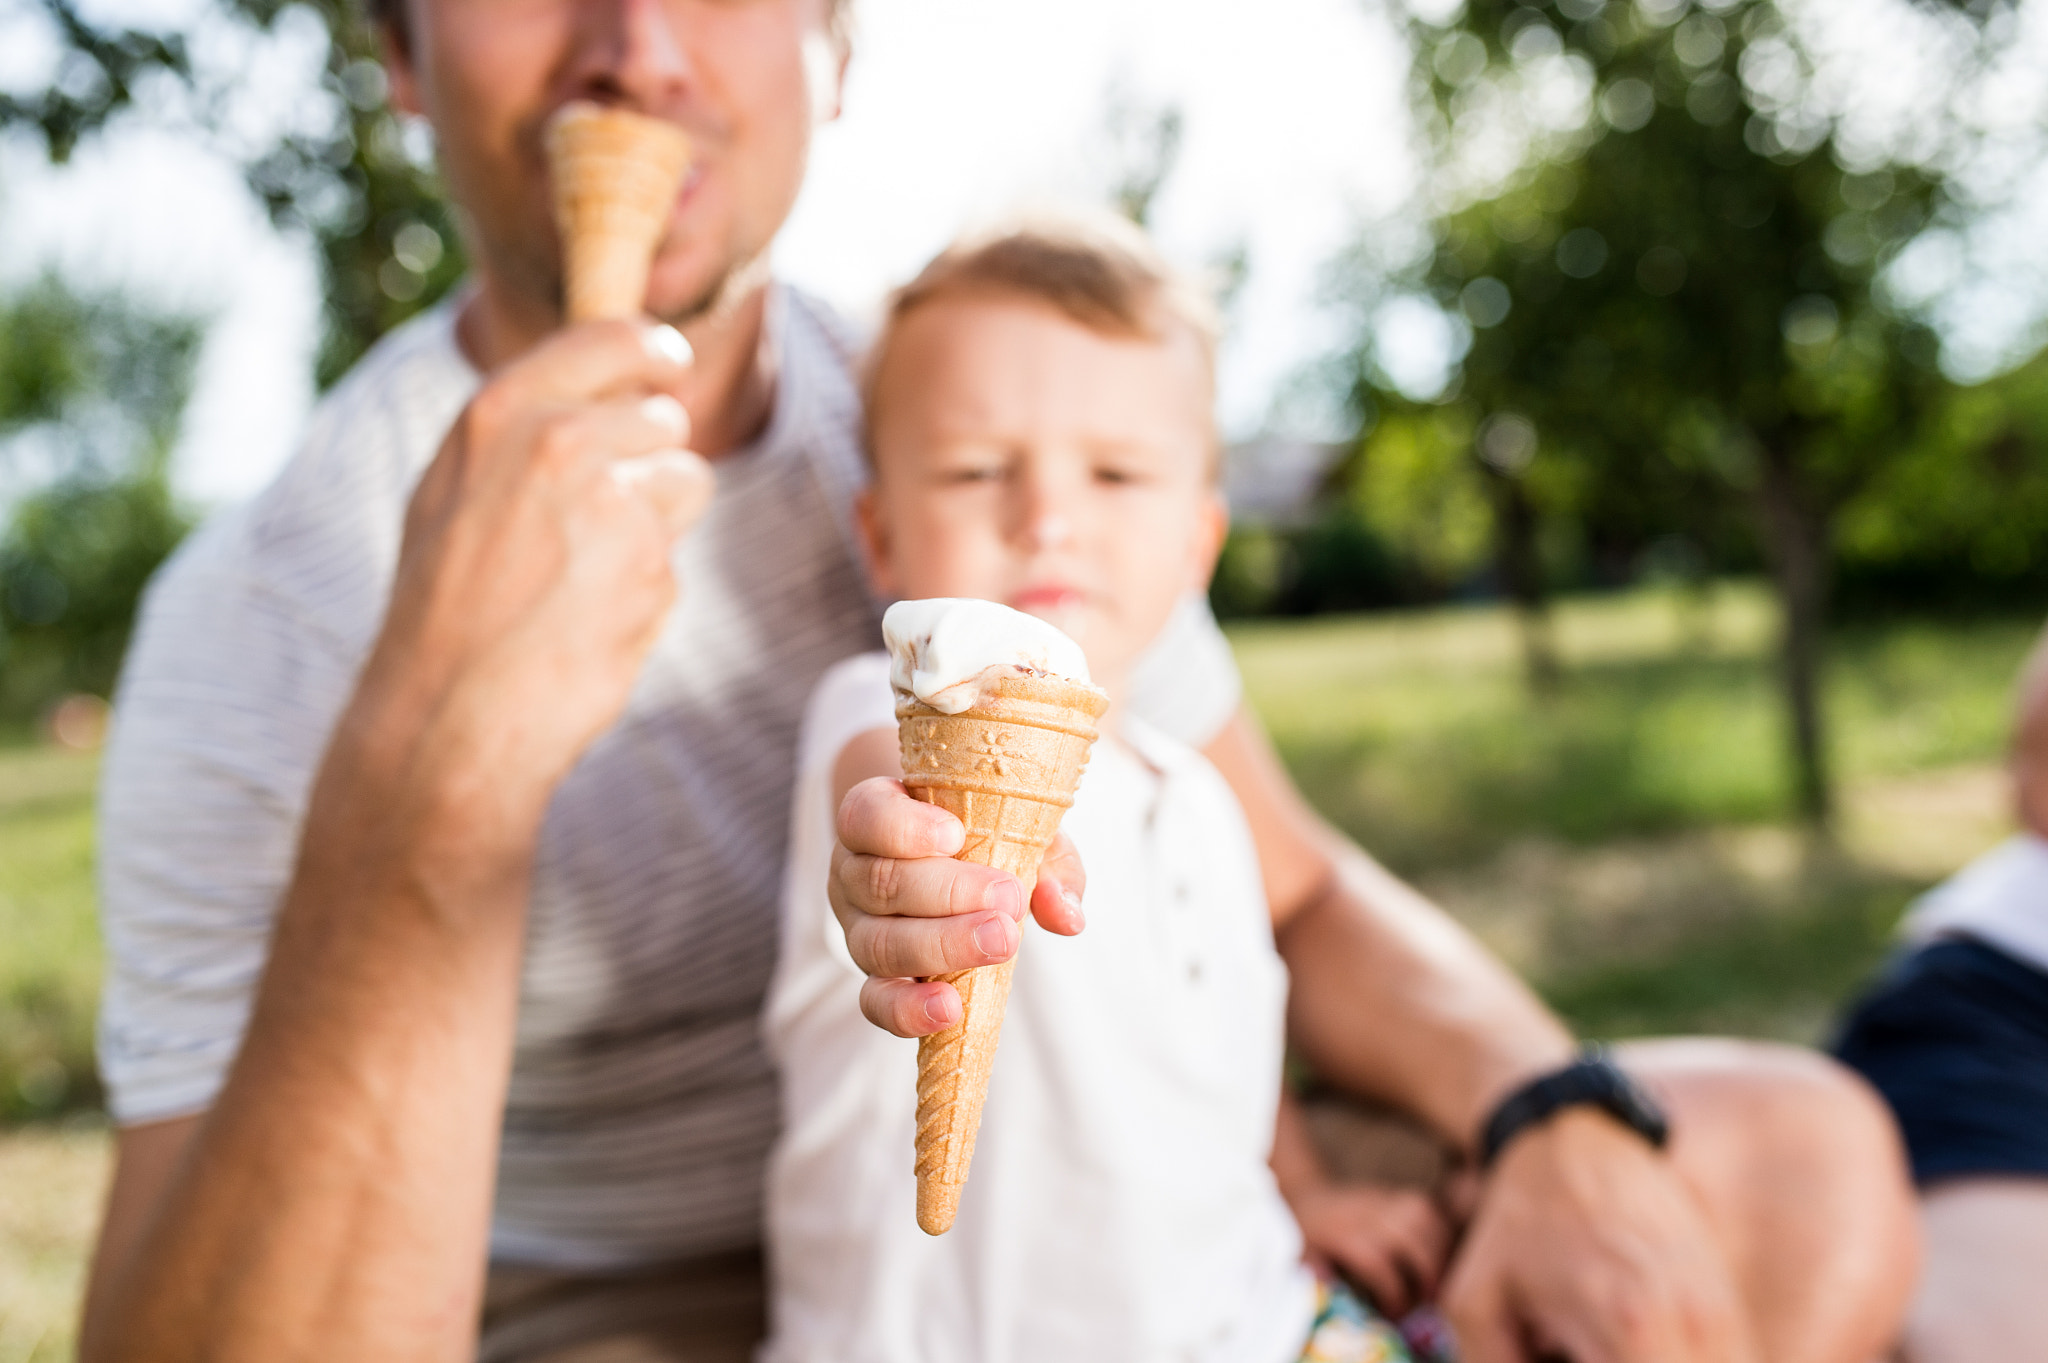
1008,770
615,176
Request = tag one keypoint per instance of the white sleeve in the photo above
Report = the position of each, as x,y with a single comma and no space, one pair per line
852,698
224,709
1187,685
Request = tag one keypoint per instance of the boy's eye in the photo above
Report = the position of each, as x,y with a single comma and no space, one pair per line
990,472
1117,475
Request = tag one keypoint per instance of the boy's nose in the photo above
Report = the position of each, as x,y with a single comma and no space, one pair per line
1049,530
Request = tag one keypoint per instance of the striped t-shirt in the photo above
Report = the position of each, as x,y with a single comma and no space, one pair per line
641,1105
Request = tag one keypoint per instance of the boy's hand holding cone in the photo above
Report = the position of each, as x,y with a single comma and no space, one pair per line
995,715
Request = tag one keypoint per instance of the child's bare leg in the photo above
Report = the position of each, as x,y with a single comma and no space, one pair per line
1803,1177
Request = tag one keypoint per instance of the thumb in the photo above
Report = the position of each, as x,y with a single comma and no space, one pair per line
676,484
1056,898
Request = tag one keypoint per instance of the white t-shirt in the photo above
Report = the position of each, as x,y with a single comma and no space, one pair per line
2001,899
1120,1207
642,1103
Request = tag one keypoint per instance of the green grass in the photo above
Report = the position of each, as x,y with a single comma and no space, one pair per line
49,936
1417,734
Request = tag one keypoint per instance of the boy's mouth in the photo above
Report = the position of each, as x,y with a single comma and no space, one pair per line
1038,600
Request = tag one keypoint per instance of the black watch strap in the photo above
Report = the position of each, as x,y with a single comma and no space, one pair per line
1591,1080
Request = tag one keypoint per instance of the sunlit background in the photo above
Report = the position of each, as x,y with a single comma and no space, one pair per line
1295,141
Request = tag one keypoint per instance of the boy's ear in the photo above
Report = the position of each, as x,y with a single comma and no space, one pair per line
1212,524
874,541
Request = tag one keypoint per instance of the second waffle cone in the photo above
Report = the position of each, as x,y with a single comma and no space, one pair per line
1007,769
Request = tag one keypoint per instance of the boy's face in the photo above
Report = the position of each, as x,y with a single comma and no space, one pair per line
1023,458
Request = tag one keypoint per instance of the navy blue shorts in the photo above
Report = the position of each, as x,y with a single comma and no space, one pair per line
1955,1036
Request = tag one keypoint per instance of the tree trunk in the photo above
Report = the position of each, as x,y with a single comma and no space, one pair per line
1797,537
1521,574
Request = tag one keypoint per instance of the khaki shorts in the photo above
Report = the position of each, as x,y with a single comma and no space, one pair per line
711,1310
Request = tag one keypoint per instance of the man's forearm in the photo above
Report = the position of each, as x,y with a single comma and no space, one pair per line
335,1203
1390,997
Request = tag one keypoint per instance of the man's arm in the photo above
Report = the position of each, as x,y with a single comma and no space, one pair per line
1584,1241
1447,1030
334,1203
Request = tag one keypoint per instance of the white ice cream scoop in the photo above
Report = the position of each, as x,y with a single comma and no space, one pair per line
944,650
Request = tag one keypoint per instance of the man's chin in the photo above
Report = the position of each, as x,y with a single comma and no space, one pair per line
684,303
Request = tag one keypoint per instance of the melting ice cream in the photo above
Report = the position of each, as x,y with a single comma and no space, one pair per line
944,651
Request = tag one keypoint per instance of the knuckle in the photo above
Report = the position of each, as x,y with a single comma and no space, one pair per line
557,441
958,945
861,944
890,954
964,891
488,410
882,881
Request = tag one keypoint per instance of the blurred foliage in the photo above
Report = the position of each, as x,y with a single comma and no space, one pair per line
1680,347
50,967
362,185
96,79
1960,519
90,394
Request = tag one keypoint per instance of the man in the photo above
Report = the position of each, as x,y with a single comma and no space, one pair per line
1956,1039
441,836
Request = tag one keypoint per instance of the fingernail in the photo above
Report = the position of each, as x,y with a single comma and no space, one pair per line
664,342
937,1012
1073,903
993,938
666,412
1006,897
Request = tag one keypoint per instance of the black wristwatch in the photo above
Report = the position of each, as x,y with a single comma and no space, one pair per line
1591,1080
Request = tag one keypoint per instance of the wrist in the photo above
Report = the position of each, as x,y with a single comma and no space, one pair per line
434,788
1590,1083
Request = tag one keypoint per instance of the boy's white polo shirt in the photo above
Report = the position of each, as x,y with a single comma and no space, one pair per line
1121,1206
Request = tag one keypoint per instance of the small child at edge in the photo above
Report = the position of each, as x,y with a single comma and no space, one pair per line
1039,419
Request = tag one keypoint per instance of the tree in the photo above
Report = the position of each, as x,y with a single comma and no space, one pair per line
361,183
1675,297
90,394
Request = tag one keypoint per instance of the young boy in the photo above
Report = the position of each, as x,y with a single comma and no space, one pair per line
1039,421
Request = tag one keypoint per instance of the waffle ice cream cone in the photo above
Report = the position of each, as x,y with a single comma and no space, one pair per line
615,175
1008,769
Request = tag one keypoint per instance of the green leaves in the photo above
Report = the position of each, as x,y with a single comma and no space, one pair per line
92,390
364,187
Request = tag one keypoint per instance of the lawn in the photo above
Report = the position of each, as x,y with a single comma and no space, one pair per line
1625,840
49,938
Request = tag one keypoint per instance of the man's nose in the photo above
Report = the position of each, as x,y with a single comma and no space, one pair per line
634,54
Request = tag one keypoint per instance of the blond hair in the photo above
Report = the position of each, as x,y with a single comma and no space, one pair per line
1099,272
